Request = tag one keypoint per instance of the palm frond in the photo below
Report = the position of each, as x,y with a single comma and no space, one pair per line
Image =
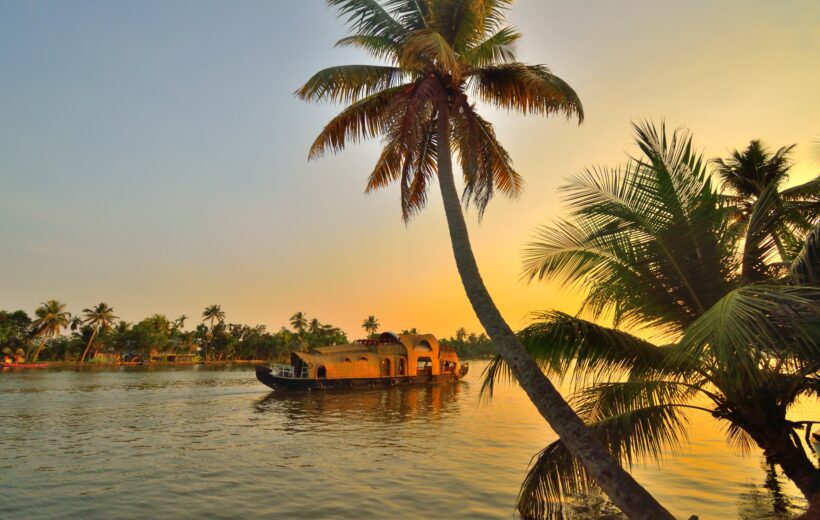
380,47
486,165
428,50
349,83
805,269
369,18
555,476
364,119
759,246
750,321
529,89
498,48
560,342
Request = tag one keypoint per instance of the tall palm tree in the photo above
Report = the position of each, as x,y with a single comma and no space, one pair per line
213,313
654,248
51,319
371,325
99,318
438,53
756,173
299,322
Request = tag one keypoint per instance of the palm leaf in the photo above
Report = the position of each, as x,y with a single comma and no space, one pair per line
805,269
749,322
529,89
555,476
349,83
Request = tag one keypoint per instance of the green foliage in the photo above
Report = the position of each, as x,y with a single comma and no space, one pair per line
158,334
433,54
470,345
656,247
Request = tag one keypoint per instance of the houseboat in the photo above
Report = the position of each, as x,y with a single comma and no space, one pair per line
390,359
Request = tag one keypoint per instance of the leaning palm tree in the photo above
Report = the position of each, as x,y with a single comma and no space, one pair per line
655,248
99,318
436,55
299,322
51,319
371,325
754,172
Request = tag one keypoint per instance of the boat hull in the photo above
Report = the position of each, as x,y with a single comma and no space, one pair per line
266,377
23,365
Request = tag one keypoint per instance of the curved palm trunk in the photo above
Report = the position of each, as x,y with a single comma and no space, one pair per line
619,485
39,348
87,347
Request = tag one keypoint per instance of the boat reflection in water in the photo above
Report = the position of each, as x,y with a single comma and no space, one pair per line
382,406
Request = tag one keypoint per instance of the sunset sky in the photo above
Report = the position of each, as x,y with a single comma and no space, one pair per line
153,156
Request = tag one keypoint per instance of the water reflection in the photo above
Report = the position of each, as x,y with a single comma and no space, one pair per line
84,444
383,406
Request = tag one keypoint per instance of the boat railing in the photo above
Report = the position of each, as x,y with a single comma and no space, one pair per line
289,371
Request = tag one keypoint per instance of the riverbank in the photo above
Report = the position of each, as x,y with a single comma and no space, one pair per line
74,364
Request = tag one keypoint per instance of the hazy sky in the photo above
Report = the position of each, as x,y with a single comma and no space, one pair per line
152,154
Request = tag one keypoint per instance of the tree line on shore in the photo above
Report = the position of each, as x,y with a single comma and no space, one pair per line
98,335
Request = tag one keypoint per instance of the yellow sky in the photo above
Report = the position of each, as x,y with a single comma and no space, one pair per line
169,172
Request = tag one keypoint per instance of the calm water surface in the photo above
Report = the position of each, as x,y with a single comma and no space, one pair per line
201,442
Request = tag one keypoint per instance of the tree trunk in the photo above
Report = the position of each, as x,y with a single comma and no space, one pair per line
782,448
39,348
87,347
619,485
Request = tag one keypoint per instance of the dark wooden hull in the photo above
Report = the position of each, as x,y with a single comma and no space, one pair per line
264,375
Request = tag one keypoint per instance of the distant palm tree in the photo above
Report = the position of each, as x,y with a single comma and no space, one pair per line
754,174
299,322
179,323
438,54
99,318
213,313
461,334
371,325
51,319
315,326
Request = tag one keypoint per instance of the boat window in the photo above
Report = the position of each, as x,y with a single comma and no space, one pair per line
363,358
424,366
386,368
347,360
321,372
400,368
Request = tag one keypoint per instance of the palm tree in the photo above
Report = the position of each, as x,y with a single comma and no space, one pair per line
315,326
755,173
99,318
299,322
654,248
213,313
51,319
371,325
179,323
437,53
461,334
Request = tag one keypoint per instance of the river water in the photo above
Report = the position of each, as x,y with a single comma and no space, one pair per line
204,442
